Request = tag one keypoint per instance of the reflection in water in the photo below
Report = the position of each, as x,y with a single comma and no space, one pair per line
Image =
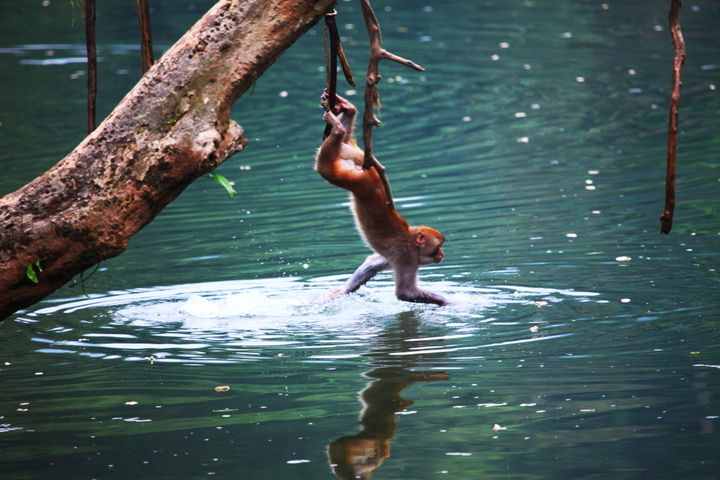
358,456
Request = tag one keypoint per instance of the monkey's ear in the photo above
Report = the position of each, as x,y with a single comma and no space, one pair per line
420,239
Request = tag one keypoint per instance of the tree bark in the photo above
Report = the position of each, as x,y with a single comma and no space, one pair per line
172,127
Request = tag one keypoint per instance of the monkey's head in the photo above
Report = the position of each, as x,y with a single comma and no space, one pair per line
429,242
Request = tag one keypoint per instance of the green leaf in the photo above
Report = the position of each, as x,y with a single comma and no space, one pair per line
228,185
31,274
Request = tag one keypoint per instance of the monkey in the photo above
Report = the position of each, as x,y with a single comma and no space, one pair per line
397,246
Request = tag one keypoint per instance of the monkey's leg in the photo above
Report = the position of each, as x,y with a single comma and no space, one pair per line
372,265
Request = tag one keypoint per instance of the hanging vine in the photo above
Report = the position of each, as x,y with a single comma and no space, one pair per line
666,220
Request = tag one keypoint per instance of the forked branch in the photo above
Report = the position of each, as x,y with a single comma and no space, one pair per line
666,219
372,97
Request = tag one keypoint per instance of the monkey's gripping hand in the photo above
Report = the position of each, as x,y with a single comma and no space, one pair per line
342,104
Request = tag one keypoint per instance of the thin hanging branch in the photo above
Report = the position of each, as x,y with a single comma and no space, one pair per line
347,71
666,219
331,65
372,97
143,8
91,63
333,53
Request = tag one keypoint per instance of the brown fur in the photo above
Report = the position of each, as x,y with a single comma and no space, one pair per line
384,230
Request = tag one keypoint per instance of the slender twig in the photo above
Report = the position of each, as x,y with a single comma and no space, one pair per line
333,53
372,97
143,9
347,71
91,63
333,38
666,219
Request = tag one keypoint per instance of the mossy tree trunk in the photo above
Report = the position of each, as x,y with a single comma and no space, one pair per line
173,127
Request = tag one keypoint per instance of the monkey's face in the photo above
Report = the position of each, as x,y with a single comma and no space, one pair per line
429,242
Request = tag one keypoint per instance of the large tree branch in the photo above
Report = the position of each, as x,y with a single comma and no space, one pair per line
173,127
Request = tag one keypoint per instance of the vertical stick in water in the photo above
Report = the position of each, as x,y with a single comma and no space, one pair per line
91,63
679,44
145,34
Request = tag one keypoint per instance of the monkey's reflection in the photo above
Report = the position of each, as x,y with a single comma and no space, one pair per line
358,456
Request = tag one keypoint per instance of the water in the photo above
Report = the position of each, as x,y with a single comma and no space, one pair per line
581,343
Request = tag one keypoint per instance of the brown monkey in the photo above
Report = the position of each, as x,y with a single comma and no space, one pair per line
397,245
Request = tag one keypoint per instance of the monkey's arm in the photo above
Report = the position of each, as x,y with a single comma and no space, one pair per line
406,288
330,163
372,265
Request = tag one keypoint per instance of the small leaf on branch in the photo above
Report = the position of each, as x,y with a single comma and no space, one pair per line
31,274
224,182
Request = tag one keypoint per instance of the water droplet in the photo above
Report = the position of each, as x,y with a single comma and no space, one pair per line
504,45
580,79
495,57
520,114
625,300
523,140
571,235
567,35
623,258
283,94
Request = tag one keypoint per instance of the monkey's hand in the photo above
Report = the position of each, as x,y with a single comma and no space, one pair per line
341,104
335,123
421,296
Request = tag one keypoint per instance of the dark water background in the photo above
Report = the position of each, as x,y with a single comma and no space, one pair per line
591,341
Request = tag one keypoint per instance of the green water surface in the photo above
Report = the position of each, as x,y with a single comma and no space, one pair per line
581,343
